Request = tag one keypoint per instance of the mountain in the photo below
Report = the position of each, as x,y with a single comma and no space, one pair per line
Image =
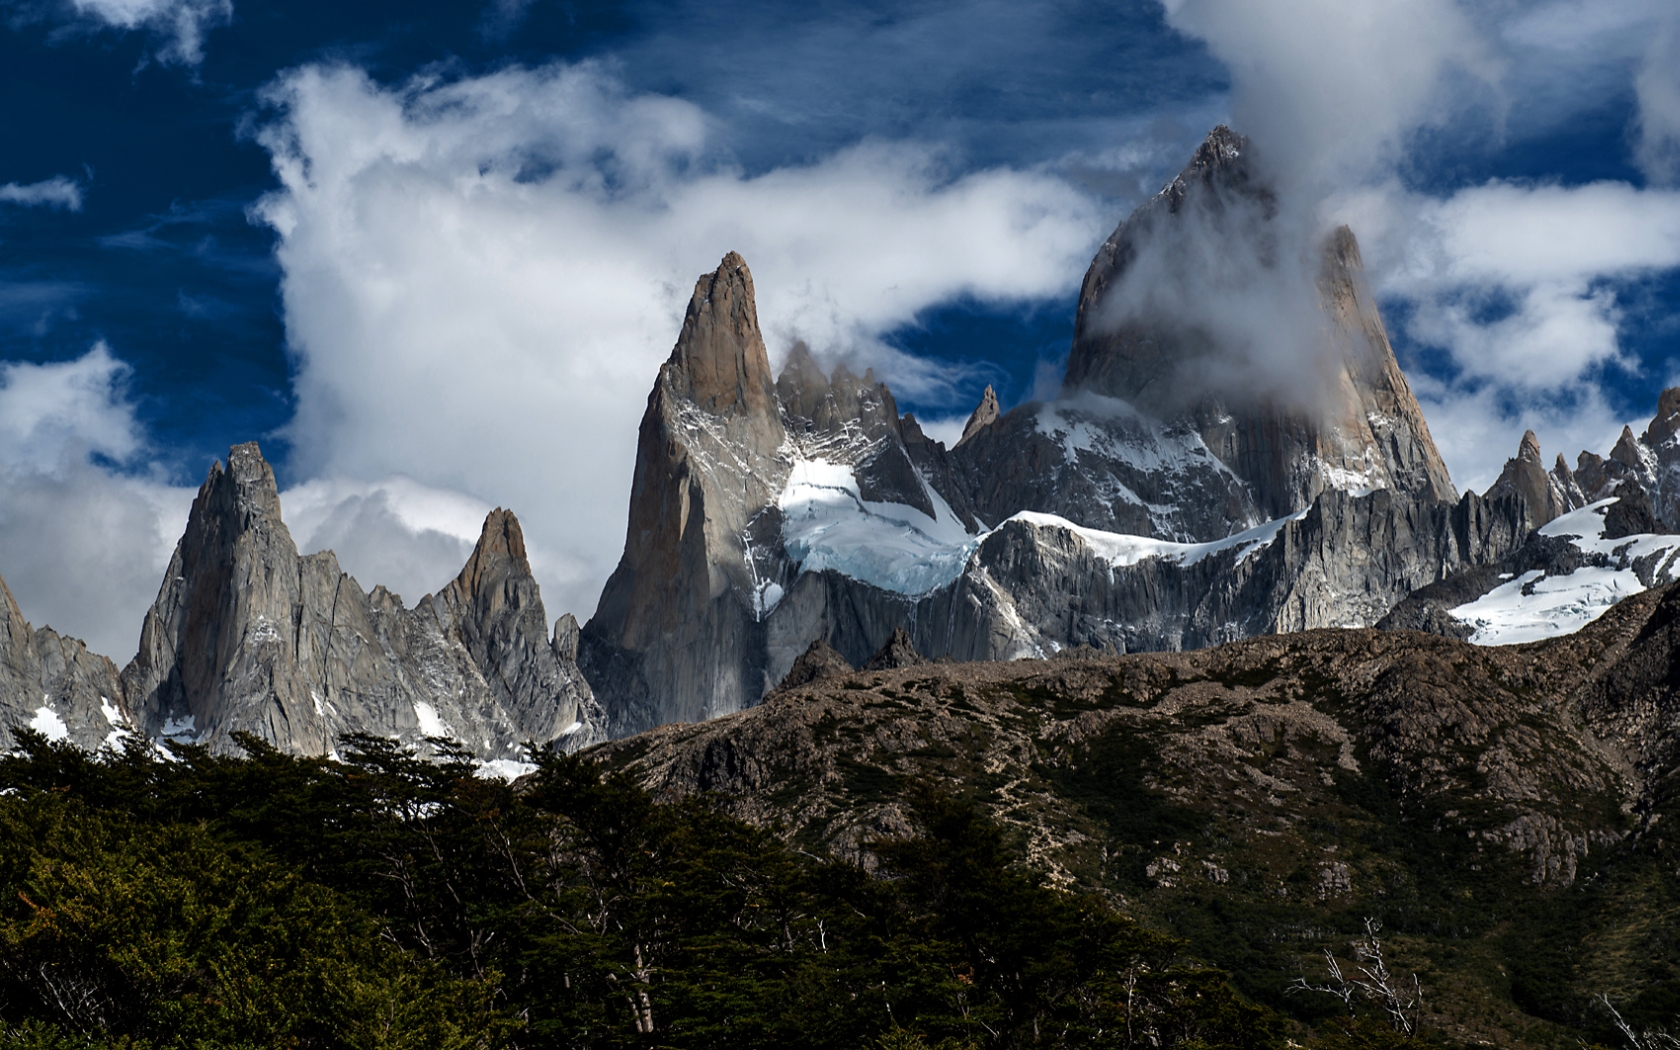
1498,809
247,636
1147,507
1595,535
55,686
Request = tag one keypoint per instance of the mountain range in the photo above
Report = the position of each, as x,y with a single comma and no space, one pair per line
1175,495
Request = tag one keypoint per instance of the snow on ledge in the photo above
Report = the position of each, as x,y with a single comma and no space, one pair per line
1120,549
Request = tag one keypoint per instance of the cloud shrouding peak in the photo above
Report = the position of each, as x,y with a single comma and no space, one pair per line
1331,89
56,192
481,277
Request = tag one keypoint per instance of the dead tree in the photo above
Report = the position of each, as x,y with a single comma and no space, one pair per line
1402,1003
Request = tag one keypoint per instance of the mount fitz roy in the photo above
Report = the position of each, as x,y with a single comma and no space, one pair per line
787,527
1145,508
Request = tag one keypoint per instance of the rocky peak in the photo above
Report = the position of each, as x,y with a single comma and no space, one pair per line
246,636
55,686
984,415
1545,496
719,363
1667,419
1626,451
673,635
500,553
1363,431
899,651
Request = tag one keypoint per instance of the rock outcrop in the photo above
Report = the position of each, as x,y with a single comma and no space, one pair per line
246,636
55,686
1545,495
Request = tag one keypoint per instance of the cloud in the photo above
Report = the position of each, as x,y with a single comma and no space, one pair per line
483,275
1516,286
56,192
1658,89
181,25
1511,286
410,537
1329,90
86,529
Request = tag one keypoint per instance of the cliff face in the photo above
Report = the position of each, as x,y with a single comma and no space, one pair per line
677,633
246,636
53,685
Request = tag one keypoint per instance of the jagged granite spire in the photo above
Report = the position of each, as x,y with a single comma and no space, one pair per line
1545,495
677,635
984,415
55,686
246,636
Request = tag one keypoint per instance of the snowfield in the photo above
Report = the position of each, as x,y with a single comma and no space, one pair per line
1534,605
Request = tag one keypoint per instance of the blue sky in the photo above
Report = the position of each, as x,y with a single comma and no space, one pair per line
431,255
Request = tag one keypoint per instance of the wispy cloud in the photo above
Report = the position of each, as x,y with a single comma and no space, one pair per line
179,26
56,192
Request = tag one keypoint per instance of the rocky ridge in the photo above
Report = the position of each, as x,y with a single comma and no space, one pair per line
247,636
1297,782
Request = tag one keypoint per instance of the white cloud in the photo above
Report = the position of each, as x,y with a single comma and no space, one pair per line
181,24
410,537
1658,89
82,545
482,277
1516,284
1329,89
56,192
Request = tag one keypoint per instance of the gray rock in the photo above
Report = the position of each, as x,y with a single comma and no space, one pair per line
53,685
898,652
246,636
1366,431
677,635
984,415
820,660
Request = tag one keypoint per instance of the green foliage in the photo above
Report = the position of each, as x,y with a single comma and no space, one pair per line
389,902
166,934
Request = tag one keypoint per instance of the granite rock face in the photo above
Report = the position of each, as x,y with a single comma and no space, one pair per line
1352,424
55,686
246,636
677,635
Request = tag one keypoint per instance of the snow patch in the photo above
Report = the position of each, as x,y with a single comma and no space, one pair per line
430,723
827,524
1535,606
117,738
504,769
48,724
1120,549
183,731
